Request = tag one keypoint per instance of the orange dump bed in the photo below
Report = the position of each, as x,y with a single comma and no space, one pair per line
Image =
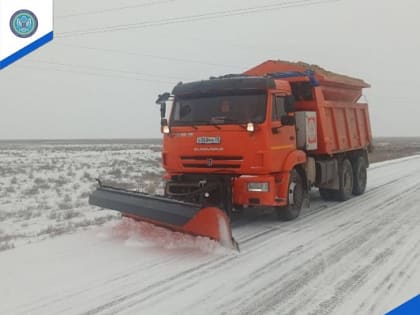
342,122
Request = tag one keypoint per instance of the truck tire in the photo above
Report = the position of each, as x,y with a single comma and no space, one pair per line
327,194
345,177
295,198
359,176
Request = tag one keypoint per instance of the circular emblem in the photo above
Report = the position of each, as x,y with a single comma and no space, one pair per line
24,23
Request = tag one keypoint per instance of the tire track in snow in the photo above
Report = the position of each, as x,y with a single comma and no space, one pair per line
360,276
263,237
273,293
277,263
408,261
352,283
181,283
407,265
126,274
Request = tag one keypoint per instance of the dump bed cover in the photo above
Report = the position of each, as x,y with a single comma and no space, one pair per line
324,76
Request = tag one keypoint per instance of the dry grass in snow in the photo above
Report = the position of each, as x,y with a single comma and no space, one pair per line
44,187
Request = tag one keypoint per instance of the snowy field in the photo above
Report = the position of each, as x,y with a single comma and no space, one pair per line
357,257
44,186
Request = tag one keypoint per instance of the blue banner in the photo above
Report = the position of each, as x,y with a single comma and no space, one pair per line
412,307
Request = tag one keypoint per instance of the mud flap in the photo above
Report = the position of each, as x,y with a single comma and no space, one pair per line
176,215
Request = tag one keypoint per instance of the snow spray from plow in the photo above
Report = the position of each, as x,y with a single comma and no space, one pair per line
175,215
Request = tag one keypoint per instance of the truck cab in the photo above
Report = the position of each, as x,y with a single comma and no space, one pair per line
232,138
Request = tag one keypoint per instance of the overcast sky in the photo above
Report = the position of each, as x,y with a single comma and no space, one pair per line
103,84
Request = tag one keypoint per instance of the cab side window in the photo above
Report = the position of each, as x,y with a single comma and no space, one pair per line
278,108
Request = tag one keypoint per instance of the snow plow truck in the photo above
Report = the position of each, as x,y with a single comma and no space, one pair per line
258,139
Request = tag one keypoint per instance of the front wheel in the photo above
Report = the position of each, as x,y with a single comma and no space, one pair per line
295,198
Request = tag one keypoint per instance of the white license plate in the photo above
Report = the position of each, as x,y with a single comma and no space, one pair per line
208,140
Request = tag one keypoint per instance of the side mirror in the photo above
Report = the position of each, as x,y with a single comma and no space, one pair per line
161,100
290,104
162,110
163,122
288,120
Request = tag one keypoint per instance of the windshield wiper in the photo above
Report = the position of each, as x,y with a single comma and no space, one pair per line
196,123
231,120
206,122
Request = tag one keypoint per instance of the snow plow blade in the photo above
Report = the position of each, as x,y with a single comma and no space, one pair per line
176,215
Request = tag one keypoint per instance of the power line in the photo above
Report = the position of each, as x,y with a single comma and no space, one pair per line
190,18
85,73
95,68
137,54
140,5
194,18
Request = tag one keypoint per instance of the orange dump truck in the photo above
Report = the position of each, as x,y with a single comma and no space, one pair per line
260,139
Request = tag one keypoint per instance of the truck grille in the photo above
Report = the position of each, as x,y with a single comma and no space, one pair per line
211,161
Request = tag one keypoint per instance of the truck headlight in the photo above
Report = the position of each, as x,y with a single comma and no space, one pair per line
166,130
250,127
259,187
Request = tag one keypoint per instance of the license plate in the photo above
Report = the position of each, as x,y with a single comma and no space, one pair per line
208,140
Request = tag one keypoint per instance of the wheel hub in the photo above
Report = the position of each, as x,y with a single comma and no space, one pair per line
292,193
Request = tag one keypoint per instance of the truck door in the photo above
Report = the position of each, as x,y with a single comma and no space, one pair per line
282,136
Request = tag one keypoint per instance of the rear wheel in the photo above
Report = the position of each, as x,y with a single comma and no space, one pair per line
294,199
345,177
359,176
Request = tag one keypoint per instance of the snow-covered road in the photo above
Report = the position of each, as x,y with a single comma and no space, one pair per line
357,257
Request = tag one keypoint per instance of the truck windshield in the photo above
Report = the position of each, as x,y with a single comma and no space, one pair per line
218,110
